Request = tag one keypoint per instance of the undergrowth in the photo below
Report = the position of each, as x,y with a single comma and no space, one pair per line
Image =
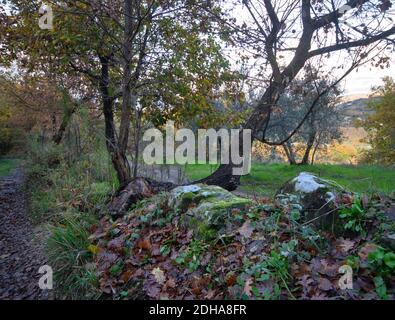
67,192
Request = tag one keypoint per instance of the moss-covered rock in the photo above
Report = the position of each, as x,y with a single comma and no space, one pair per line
313,197
206,207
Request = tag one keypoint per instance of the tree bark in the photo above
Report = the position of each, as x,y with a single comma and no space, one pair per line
126,79
309,146
317,144
136,143
118,158
289,153
57,138
223,177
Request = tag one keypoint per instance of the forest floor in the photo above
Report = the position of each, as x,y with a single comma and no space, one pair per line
264,251
21,243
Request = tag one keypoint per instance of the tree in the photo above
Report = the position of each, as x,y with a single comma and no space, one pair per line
38,103
380,125
322,125
135,54
285,35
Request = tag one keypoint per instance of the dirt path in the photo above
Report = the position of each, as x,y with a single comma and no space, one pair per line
21,254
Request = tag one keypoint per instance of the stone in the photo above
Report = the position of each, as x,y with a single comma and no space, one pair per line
205,207
313,197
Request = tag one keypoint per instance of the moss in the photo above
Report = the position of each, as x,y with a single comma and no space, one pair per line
212,206
185,200
202,231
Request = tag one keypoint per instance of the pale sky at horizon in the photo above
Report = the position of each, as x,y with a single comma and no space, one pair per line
362,81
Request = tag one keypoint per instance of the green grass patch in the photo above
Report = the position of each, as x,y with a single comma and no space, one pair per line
69,255
266,179
6,165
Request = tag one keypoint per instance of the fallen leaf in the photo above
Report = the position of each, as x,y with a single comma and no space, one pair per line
93,249
144,244
246,230
324,284
153,291
159,275
127,275
198,284
210,294
328,268
319,296
231,278
345,245
248,287
116,244
171,283
105,260
306,282
365,250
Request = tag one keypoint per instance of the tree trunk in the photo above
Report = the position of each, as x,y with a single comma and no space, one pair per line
118,158
309,146
289,153
136,143
57,138
315,150
126,79
223,177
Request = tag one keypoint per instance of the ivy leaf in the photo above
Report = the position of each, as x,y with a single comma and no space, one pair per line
389,259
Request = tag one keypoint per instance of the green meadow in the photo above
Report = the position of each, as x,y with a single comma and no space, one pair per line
266,179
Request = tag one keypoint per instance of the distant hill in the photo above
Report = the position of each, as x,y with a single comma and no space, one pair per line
355,107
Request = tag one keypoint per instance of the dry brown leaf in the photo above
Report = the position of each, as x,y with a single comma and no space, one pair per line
324,284
248,287
246,230
144,244
159,275
231,278
368,248
345,245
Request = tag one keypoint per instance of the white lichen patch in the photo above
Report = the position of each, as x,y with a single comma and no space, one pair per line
184,189
330,196
306,182
191,188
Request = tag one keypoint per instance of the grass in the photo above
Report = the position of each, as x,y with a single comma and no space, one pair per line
69,255
266,179
6,165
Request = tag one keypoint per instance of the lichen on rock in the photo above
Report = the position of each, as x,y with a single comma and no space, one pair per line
205,207
313,197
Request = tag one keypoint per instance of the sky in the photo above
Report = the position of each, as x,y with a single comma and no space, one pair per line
361,82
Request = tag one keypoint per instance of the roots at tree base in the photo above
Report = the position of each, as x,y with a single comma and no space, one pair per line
140,188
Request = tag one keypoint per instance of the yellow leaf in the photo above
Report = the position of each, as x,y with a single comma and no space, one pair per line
93,249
